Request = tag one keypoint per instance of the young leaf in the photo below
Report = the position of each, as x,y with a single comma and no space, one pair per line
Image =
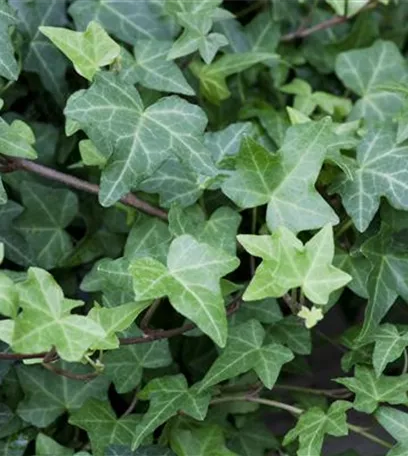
44,221
88,51
8,297
45,446
245,350
315,423
285,181
380,171
389,346
17,139
151,69
138,140
212,77
46,320
167,396
199,441
370,391
191,281
99,421
8,65
48,396
124,367
362,70
289,264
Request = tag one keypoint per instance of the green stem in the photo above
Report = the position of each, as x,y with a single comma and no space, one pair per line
298,411
318,392
343,228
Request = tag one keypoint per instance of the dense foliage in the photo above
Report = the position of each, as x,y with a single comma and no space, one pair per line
190,191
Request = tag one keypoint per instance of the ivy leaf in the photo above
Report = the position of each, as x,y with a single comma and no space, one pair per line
45,446
263,33
129,21
114,320
152,450
315,423
389,265
311,316
389,346
396,423
48,396
15,246
380,171
99,421
358,267
219,231
362,70
138,140
8,65
167,396
42,223
245,350
46,320
191,281
370,391
88,51
17,139
40,55
212,77
199,441
291,332
151,69
264,178
290,264
124,366
8,297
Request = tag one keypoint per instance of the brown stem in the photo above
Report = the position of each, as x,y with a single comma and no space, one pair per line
336,20
69,374
151,337
144,324
15,164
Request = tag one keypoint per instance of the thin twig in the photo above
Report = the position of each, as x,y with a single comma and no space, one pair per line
69,374
296,411
329,23
132,405
151,337
147,317
15,164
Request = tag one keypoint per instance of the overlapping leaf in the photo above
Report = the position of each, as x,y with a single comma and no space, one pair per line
191,281
88,51
245,350
285,181
380,171
136,139
43,222
46,320
289,264
8,65
48,396
150,68
167,396
370,391
40,55
362,70
314,424
125,365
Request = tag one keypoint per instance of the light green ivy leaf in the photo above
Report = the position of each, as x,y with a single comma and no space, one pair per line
289,264
396,423
88,51
46,320
191,281
245,350
285,181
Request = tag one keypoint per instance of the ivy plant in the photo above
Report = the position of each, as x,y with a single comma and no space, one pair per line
201,203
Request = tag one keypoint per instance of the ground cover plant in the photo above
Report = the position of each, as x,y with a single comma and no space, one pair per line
203,228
